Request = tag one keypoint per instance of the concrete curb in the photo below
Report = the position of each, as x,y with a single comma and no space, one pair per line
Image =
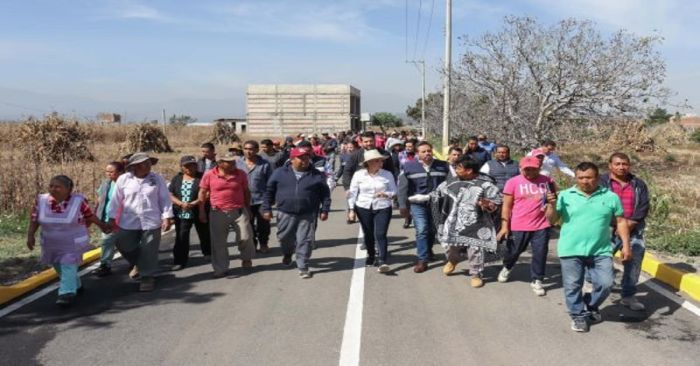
679,280
9,293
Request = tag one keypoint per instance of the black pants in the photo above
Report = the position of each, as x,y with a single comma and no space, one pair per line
261,227
375,224
181,250
517,244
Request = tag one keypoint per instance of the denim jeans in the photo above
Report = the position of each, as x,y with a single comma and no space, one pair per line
630,276
573,270
425,230
69,281
517,244
375,224
108,246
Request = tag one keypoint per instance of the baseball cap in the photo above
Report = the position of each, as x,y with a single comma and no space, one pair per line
529,162
188,159
229,156
299,151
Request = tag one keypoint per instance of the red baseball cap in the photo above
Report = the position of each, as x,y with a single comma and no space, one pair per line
530,162
299,151
537,152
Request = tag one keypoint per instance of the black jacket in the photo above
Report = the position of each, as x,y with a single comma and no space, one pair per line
641,199
176,187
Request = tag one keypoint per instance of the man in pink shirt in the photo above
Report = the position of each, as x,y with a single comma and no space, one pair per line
524,221
226,188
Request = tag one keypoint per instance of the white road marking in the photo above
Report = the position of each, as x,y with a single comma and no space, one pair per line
352,332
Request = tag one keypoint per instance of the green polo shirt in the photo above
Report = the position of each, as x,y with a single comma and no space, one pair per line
586,222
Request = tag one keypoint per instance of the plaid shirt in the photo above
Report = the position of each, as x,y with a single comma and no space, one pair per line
626,194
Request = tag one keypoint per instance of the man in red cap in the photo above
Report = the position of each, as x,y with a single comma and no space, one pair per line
523,221
301,194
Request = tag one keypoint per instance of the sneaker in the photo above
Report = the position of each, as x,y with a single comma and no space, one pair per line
536,286
220,274
148,284
503,275
65,300
587,287
247,264
304,274
102,271
579,324
369,261
595,317
287,259
134,273
476,281
449,268
177,267
632,303
383,268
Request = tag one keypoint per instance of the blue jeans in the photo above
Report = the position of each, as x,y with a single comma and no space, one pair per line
425,230
375,224
108,245
573,270
69,281
630,276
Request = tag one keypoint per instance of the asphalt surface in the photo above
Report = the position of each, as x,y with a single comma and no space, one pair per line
269,316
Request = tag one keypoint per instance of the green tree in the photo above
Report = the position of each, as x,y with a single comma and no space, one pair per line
181,120
658,116
386,119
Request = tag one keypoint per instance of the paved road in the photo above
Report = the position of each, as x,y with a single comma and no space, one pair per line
272,317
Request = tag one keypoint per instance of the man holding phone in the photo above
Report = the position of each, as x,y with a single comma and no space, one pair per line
523,221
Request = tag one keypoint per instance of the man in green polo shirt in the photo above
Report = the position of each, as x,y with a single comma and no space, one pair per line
587,211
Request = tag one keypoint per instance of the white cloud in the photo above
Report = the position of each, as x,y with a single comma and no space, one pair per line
674,19
135,10
343,21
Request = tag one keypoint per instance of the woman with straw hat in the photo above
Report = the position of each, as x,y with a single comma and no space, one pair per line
370,198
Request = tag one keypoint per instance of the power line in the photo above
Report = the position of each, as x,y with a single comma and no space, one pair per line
420,11
406,34
427,34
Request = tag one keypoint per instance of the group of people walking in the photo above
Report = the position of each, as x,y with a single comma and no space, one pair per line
479,204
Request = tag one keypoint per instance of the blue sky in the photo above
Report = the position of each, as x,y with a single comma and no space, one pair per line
197,57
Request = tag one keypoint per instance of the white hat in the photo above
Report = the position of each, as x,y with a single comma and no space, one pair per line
373,155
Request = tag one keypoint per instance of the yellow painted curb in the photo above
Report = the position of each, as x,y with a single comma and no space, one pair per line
679,280
8,293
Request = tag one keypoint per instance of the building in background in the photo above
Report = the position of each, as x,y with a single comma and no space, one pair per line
289,109
107,118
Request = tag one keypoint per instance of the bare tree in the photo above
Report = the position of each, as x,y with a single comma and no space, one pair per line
523,82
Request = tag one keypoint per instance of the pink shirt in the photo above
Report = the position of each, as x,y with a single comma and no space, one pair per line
528,198
225,193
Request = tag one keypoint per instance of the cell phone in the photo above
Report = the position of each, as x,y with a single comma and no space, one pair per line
552,188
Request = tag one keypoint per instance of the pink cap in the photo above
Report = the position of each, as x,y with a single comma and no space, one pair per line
530,162
537,152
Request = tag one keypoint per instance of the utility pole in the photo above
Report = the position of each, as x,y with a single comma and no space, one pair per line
164,121
422,108
448,72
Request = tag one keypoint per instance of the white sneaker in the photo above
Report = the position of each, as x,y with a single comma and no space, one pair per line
503,275
305,274
537,287
587,287
632,303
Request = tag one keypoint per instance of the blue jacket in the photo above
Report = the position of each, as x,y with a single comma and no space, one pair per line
297,196
480,155
257,178
415,180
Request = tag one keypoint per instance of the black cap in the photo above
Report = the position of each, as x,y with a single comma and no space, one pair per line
188,159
